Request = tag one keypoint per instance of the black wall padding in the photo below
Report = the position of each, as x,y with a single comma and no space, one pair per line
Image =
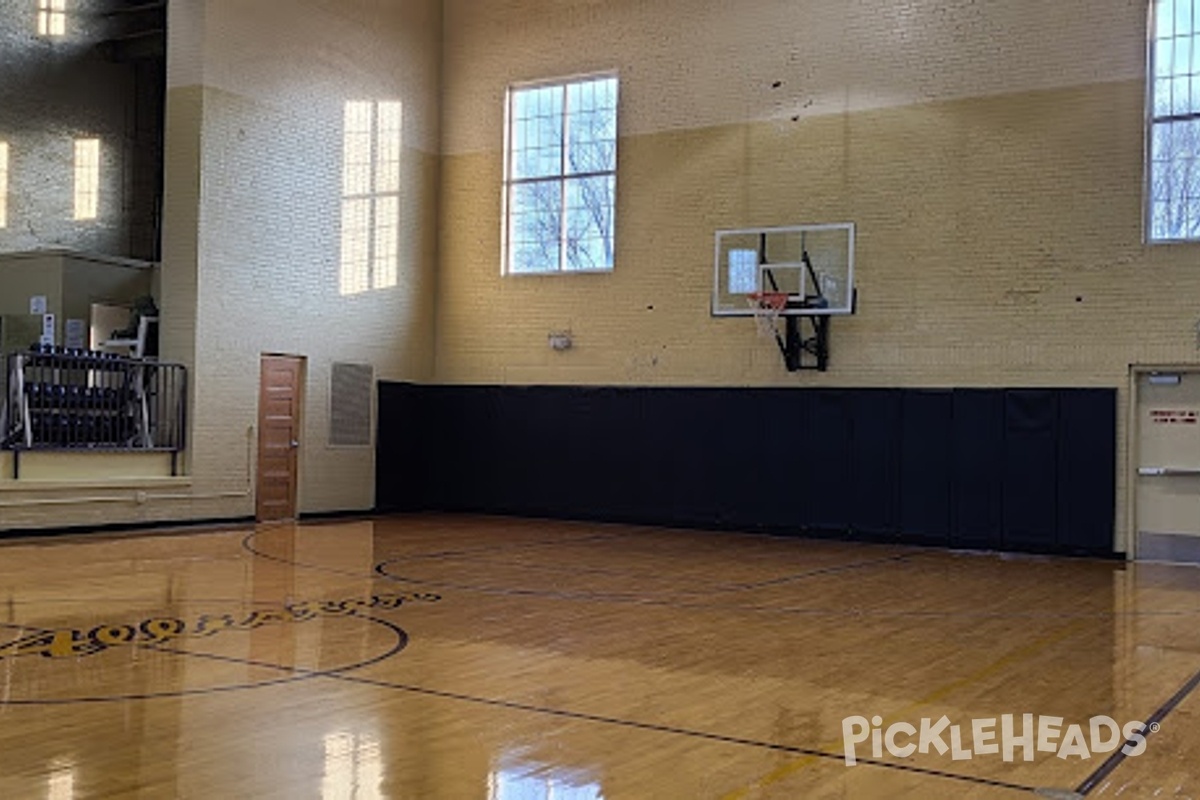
926,466
1087,484
875,453
978,453
1014,469
1030,467
827,475
400,483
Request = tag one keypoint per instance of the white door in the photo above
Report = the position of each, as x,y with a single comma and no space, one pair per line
1168,480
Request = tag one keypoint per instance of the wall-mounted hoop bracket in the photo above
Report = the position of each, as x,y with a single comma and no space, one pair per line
799,275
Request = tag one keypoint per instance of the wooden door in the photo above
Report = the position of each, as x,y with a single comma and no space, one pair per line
279,395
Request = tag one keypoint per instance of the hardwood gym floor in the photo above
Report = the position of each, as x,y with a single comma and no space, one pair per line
463,657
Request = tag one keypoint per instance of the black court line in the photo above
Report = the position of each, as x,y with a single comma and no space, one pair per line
297,673
281,560
1117,758
505,548
16,626
250,548
722,587
381,570
190,601
649,726
830,570
339,675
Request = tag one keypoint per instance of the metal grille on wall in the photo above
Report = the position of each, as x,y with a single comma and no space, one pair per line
350,405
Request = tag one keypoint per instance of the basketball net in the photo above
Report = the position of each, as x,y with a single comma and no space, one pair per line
768,308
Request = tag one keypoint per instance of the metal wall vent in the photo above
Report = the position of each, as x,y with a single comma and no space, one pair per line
351,387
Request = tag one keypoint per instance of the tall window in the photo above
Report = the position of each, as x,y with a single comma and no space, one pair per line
3,184
561,176
87,178
52,17
1174,170
370,196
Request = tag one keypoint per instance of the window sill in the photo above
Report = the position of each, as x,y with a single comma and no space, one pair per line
557,272
92,484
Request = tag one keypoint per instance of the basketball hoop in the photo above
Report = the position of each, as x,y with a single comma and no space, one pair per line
768,308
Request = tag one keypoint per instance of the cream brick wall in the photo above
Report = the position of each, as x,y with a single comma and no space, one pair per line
999,231
689,64
990,153
277,76
999,243
51,94
252,239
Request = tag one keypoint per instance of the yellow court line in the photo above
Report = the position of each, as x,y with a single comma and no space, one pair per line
792,767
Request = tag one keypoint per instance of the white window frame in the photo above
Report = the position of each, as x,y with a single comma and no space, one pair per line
4,171
380,194
1175,204
88,156
52,18
563,177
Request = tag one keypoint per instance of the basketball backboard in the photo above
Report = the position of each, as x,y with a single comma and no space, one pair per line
812,264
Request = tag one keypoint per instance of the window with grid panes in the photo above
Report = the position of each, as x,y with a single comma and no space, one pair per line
561,176
1173,174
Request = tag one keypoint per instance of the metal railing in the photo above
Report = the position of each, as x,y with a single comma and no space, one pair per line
74,400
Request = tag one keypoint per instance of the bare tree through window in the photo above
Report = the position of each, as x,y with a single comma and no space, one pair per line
561,176
1174,171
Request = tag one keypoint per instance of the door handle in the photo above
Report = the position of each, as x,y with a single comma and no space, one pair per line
1157,472
295,444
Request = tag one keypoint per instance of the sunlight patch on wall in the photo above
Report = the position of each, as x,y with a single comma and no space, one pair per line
3,184
87,178
371,145
52,17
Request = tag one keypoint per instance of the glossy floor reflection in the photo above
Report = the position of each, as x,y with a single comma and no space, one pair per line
463,657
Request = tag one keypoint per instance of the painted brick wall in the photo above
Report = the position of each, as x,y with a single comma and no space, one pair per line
991,154
53,91
277,77
251,242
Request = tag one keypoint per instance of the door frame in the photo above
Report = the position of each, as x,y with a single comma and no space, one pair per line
1132,443
302,384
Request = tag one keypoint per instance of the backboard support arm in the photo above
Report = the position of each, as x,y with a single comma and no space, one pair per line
794,345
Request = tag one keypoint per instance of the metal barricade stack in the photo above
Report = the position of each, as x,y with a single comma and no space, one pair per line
59,399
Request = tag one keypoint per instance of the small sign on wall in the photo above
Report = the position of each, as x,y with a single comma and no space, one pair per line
37,304
48,329
1175,417
75,334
